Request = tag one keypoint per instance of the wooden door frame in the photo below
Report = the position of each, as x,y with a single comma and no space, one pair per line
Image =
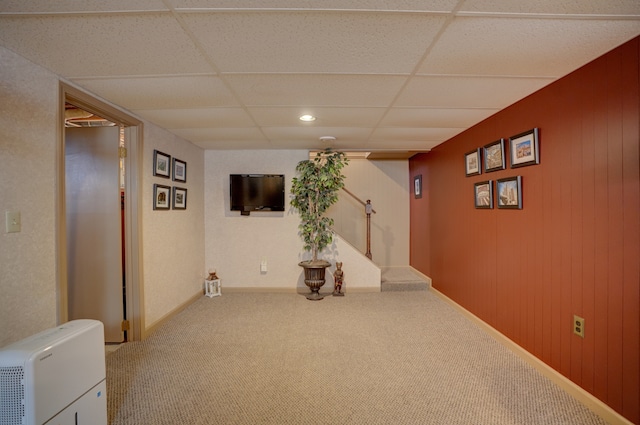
133,202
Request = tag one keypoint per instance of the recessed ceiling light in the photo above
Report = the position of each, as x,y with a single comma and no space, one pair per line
307,118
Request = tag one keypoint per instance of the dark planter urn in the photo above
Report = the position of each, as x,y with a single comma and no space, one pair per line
314,273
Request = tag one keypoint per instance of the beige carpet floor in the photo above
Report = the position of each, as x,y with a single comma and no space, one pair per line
379,358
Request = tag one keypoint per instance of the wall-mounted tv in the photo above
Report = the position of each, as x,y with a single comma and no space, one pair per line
256,192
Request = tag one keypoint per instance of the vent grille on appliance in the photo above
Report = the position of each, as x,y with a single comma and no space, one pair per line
11,395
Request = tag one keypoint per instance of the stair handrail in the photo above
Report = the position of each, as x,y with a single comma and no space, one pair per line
368,209
358,199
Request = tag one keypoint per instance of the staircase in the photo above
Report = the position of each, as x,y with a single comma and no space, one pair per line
403,279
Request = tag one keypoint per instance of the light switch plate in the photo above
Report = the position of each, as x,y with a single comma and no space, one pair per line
12,221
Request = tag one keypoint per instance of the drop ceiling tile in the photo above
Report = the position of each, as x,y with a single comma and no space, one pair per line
319,145
523,47
434,117
415,145
338,117
351,144
468,92
295,145
197,117
315,90
202,135
48,6
163,75
560,7
162,92
388,43
413,134
405,5
103,45
312,134
233,145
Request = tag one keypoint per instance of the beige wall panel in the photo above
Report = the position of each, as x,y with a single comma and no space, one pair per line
173,240
235,245
28,142
386,184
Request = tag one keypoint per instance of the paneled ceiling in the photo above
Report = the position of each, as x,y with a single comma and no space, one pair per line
379,76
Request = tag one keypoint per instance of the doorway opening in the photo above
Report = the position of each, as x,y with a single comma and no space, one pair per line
98,240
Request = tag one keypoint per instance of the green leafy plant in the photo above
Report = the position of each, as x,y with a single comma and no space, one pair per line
314,190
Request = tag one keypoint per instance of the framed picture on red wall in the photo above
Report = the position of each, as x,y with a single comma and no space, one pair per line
494,156
524,148
509,192
472,163
417,186
483,194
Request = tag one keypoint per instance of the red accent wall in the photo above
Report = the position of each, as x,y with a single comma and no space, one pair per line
574,248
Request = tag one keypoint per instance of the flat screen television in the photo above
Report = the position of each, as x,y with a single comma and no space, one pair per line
256,192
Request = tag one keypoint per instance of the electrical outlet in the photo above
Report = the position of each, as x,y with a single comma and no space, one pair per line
263,265
578,326
12,221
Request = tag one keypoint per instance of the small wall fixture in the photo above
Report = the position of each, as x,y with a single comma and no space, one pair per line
307,118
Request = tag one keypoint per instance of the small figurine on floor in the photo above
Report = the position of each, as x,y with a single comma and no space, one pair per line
338,277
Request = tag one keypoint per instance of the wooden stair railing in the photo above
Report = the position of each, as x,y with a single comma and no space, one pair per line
368,209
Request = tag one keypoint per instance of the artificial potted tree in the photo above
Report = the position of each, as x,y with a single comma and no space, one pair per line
314,190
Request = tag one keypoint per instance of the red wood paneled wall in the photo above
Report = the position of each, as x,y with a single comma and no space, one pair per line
575,246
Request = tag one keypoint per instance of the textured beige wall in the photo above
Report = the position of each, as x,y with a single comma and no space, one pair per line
386,183
173,240
360,274
235,244
174,247
28,142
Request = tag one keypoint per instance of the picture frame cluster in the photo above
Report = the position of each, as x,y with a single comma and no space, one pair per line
166,197
508,193
524,150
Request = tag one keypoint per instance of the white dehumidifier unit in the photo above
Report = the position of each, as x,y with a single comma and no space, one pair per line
55,377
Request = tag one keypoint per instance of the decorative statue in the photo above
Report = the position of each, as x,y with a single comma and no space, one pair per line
338,277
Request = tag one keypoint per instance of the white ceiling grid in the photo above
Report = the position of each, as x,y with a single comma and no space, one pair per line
401,75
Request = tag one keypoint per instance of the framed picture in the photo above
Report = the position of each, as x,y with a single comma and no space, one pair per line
179,171
494,156
510,192
161,164
417,186
179,198
472,163
524,149
161,197
483,194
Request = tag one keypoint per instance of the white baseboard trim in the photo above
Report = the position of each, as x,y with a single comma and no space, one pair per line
589,400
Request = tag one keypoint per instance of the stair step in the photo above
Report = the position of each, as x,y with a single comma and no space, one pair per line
403,286
402,279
